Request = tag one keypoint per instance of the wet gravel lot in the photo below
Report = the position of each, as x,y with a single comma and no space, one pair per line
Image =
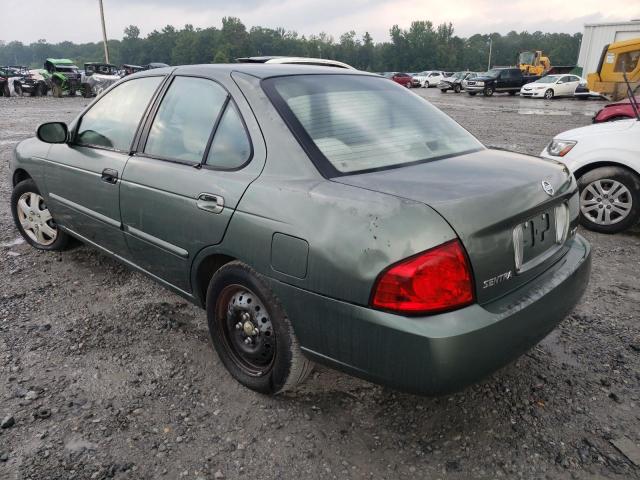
104,374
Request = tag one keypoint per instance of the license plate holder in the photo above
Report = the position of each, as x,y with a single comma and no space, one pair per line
533,238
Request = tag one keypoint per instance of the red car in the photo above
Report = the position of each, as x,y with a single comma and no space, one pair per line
403,79
621,110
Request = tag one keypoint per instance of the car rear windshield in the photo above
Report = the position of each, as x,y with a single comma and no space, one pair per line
354,123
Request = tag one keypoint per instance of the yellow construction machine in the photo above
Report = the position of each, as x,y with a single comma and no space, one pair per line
617,59
535,63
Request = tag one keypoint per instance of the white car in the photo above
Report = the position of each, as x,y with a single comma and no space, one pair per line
551,86
605,159
429,78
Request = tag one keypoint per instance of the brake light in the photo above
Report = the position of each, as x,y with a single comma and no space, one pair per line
433,281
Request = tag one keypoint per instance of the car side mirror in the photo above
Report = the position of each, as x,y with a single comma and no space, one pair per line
53,132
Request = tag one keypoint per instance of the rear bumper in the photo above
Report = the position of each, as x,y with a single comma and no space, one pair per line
440,353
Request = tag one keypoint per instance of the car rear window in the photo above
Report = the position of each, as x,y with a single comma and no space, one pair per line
354,123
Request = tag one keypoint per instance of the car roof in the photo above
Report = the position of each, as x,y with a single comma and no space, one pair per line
259,70
294,60
60,61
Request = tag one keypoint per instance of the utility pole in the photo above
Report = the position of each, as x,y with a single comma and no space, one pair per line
104,33
490,45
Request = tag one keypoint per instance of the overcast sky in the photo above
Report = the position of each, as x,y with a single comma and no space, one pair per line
78,20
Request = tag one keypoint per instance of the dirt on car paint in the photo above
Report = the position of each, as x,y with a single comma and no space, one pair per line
104,374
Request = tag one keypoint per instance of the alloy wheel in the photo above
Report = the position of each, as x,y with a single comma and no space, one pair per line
246,328
35,219
606,201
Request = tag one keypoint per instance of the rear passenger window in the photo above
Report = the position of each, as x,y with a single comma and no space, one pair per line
231,147
185,119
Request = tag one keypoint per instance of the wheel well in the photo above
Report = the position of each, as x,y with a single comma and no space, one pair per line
207,268
592,166
20,175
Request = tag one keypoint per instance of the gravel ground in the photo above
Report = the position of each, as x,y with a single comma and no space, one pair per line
104,374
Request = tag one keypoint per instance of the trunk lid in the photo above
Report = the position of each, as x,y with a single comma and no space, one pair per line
484,196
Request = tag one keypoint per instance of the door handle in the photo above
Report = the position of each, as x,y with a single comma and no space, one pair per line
110,176
210,203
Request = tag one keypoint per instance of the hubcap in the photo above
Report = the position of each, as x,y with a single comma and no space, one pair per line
606,202
247,329
36,220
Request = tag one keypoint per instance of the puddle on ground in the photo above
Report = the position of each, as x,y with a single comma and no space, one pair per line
537,111
13,243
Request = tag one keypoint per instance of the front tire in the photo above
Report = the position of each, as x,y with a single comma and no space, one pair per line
456,88
609,199
548,95
252,333
56,90
18,89
488,91
472,93
33,219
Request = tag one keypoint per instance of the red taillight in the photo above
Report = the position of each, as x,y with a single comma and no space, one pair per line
436,280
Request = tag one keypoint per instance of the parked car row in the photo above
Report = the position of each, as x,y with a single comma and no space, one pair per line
62,76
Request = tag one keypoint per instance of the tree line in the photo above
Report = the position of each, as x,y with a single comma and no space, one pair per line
422,46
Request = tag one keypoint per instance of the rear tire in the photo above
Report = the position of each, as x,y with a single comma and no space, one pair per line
512,93
251,332
472,93
443,90
5,89
18,89
33,219
609,189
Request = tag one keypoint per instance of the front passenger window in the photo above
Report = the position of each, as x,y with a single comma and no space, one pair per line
185,119
113,120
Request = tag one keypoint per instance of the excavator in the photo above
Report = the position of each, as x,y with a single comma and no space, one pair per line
617,59
535,63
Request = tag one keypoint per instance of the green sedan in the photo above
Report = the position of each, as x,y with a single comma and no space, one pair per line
318,215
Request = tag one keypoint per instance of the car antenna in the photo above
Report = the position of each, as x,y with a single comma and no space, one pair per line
632,97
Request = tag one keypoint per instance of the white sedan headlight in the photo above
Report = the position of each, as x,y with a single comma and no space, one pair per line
559,148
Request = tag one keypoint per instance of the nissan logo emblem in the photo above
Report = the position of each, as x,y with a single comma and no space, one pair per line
548,188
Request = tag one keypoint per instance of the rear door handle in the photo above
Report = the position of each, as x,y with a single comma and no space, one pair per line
210,203
110,176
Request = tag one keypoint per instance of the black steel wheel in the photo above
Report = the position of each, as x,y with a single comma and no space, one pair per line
251,332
